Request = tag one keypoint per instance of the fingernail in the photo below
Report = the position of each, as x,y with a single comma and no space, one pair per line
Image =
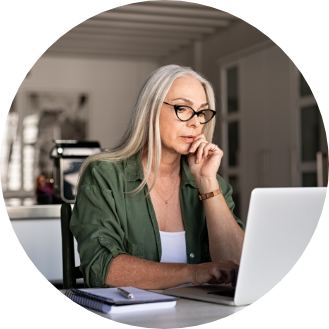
191,149
197,161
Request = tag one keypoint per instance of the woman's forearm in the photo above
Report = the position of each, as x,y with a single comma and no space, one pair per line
126,270
224,233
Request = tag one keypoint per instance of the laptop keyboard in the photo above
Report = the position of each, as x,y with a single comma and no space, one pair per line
226,293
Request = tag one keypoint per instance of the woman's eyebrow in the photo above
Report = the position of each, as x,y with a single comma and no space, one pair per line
189,101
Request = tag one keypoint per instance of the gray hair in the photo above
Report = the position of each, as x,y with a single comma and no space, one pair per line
143,129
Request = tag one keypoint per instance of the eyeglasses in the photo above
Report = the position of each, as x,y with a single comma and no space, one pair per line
186,113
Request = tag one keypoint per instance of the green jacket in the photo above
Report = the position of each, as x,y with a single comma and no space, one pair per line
107,222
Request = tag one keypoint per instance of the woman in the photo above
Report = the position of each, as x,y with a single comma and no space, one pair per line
138,217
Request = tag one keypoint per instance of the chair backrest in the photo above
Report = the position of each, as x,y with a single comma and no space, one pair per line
70,272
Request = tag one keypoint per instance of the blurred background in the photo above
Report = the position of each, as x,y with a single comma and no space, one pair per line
85,85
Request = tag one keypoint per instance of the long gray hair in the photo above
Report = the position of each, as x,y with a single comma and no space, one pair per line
143,130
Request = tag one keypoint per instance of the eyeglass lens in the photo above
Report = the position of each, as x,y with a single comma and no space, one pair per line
186,113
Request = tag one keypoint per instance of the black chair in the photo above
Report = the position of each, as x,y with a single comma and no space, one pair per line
70,272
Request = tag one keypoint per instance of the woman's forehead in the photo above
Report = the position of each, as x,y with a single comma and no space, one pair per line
187,87
186,81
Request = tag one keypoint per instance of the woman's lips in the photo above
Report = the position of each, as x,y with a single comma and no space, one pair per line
188,139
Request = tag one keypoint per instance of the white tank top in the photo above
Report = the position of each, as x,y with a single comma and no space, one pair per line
173,247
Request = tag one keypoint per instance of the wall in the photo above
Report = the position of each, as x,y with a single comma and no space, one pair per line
111,84
237,37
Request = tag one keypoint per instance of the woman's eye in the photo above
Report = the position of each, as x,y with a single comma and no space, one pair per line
182,109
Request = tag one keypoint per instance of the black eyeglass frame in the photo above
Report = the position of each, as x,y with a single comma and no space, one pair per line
177,107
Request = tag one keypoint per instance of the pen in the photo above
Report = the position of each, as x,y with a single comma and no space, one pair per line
125,293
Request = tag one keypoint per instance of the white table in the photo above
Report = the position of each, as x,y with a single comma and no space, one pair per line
186,313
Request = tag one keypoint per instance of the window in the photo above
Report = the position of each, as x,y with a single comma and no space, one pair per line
232,90
233,143
231,131
310,132
310,135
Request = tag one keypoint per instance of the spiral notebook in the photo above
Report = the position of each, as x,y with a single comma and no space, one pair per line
108,300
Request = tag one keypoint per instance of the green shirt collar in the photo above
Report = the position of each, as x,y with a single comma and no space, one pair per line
134,170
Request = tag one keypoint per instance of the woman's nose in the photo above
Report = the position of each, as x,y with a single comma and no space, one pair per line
194,122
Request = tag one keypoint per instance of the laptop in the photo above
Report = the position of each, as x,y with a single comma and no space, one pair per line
280,224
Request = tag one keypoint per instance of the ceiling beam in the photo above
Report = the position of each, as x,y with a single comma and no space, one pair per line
148,26
75,55
164,19
201,11
114,45
104,49
171,3
95,30
124,38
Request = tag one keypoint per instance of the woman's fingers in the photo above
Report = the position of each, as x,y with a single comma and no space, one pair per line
229,272
200,152
199,139
215,272
210,149
201,148
206,149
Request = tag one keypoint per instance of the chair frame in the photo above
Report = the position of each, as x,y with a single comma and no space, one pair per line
70,271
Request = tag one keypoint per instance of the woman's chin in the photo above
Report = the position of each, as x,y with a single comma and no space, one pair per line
185,151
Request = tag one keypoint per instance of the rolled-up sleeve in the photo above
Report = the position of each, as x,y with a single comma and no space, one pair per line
96,226
227,193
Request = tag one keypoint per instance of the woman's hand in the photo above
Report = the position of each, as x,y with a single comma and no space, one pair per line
214,272
203,161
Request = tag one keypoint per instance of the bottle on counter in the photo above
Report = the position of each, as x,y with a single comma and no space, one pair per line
44,189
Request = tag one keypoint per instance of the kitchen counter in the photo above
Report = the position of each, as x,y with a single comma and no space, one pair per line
34,212
38,229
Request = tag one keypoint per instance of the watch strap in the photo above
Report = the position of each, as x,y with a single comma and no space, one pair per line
210,194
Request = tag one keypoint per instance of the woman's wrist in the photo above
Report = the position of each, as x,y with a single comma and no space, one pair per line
190,268
207,184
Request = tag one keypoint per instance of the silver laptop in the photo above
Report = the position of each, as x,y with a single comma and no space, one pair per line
280,224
